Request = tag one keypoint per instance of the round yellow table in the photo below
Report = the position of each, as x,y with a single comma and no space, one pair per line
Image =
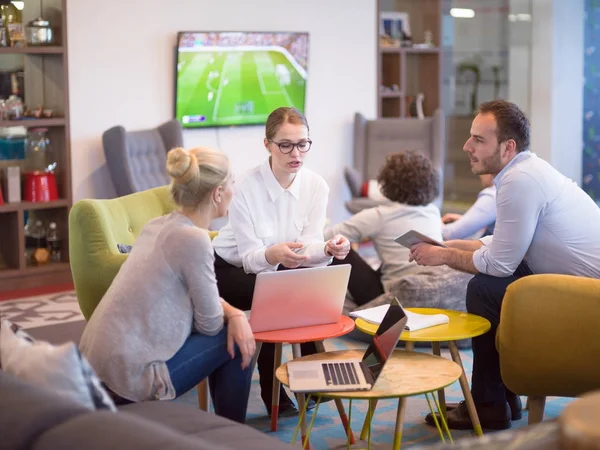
461,325
405,374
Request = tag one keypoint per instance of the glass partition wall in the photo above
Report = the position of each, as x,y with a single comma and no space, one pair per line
454,55
487,53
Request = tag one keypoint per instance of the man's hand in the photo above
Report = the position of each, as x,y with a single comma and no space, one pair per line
240,333
432,255
451,217
284,254
427,255
338,246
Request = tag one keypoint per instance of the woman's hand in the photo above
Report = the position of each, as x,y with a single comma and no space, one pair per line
240,333
285,255
338,246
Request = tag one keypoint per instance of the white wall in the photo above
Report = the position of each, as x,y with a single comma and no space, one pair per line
557,84
124,75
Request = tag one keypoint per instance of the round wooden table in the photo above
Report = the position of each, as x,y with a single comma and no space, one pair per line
462,325
297,336
405,374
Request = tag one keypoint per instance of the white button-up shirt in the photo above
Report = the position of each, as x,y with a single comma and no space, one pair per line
262,214
544,217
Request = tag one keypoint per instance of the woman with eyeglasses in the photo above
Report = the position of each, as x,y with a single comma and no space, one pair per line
276,221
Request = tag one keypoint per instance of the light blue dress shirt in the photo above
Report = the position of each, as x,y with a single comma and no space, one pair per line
480,215
544,218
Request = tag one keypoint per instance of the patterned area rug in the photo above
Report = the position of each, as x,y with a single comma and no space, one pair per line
57,318
43,310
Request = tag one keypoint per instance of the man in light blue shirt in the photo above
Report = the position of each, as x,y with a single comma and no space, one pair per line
545,224
480,217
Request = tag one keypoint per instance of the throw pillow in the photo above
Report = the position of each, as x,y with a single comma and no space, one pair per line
62,369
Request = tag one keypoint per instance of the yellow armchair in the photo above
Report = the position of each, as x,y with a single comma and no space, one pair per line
549,338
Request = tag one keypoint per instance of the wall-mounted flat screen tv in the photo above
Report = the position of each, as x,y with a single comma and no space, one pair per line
238,78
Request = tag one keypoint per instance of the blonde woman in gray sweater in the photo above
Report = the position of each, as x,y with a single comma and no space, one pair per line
161,327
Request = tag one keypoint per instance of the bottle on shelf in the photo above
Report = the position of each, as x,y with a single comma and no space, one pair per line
53,242
3,34
30,243
40,254
13,24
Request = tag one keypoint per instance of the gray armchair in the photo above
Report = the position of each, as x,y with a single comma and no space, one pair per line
375,139
137,160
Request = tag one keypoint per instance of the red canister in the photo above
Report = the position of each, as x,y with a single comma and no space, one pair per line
40,187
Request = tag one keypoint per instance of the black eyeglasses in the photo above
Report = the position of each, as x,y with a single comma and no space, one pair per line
288,147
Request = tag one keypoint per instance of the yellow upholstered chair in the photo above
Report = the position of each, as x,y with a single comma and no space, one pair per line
549,338
95,229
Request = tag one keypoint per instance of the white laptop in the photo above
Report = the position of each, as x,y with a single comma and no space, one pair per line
299,297
351,374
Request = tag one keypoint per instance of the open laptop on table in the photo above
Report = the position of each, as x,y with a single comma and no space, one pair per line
351,375
299,297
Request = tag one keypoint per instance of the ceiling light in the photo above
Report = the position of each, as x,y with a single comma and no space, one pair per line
462,13
19,5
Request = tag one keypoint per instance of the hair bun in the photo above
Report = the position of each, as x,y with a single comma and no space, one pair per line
182,165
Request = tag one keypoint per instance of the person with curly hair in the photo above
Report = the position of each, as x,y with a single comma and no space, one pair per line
409,180
477,221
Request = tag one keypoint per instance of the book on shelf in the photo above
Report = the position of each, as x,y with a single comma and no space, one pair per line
415,321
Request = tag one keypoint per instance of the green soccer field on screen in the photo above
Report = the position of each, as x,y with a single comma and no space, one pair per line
241,79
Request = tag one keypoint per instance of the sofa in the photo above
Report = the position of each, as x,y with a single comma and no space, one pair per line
575,428
35,418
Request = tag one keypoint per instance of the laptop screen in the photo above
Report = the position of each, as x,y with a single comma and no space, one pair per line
385,339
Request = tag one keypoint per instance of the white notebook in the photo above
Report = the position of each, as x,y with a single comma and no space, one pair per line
415,321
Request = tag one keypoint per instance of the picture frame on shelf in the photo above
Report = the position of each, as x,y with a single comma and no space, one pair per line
395,24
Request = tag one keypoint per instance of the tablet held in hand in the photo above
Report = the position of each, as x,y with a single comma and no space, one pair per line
413,237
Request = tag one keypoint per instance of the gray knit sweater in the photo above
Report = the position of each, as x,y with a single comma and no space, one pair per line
165,289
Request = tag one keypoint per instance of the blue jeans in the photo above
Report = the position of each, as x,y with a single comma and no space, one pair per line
204,356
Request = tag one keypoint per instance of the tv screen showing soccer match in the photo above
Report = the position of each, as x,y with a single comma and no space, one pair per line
238,78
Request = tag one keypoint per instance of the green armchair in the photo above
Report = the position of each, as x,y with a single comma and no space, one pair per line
549,338
95,229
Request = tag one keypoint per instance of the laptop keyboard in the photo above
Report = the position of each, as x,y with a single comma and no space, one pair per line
340,373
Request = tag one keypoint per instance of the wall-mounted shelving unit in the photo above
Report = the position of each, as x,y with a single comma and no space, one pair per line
45,83
412,70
